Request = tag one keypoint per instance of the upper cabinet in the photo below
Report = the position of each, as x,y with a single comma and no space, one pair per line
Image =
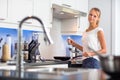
43,11
3,10
82,5
13,11
18,9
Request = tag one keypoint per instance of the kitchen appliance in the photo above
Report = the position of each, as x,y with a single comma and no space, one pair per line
63,12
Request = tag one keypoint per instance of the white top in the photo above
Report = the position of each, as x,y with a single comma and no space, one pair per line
90,39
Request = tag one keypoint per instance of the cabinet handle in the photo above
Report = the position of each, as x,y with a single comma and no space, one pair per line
66,5
26,22
2,19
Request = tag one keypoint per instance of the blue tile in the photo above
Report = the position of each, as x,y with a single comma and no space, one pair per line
27,35
76,38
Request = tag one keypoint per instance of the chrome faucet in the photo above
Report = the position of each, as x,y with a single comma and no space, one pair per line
47,38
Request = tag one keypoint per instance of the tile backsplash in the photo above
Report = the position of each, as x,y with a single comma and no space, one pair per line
59,48
76,38
27,36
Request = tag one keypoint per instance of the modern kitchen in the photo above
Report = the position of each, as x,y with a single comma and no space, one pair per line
34,33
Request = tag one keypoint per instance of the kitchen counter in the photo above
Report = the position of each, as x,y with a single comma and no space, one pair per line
11,65
51,71
81,74
39,63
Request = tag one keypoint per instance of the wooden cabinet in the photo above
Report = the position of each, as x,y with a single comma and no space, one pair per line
3,10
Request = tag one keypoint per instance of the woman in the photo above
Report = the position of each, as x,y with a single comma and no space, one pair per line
93,37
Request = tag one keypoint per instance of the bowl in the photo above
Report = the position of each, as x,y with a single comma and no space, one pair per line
63,58
111,65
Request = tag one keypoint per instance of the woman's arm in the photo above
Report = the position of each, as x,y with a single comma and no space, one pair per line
102,42
73,43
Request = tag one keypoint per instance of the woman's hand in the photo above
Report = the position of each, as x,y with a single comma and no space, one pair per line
70,41
73,43
87,54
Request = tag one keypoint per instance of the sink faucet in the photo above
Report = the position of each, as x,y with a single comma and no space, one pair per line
47,38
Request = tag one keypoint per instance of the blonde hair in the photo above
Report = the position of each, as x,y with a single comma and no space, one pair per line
99,13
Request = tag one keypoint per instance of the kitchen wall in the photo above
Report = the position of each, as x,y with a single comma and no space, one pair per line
56,49
116,26
106,19
27,36
46,51
117,30
60,46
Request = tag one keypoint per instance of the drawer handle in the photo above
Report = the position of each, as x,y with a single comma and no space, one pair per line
2,19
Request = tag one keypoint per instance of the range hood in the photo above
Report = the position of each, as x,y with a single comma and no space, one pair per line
62,12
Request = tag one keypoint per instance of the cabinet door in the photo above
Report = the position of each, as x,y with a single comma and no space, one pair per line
59,2
82,5
3,10
18,9
83,22
43,11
